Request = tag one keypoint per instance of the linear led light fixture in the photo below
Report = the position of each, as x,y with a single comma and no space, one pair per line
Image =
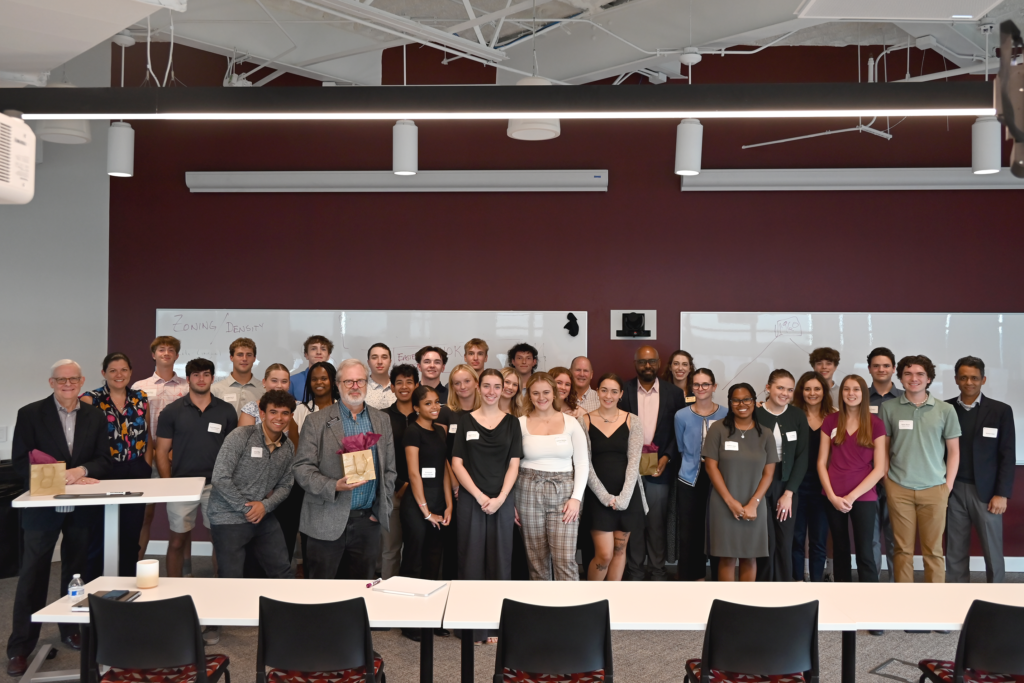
392,103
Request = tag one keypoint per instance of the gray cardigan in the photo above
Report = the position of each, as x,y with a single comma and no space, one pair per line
318,468
634,450
238,477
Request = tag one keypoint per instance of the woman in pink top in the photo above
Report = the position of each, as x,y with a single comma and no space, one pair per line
851,460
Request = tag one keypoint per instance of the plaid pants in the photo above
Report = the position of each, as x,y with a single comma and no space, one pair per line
549,542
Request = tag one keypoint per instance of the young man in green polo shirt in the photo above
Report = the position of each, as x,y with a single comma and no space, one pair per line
923,439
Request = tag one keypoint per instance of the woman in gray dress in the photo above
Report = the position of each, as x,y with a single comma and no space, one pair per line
740,460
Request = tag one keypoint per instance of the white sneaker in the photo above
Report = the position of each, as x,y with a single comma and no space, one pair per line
211,635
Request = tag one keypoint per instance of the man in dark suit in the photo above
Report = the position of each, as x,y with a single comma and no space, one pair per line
984,479
76,434
655,403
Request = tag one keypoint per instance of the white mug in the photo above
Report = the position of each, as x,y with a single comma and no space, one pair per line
147,573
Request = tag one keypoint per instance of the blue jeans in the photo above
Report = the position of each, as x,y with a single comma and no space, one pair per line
810,520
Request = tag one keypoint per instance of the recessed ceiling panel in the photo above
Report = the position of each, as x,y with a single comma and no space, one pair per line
897,10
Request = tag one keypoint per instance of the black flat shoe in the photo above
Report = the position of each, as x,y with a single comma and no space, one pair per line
442,632
74,641
876,633
412,634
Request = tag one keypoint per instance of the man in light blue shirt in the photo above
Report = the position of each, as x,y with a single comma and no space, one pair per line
315,349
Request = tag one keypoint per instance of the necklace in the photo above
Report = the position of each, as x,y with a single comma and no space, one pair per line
743,432
615,419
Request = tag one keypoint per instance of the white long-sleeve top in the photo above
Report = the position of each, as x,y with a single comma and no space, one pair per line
565,452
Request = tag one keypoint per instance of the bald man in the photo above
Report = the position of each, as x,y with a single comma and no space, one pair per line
655,403
582,375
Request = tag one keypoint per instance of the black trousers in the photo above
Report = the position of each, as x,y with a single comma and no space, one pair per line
131,517
485,545
864,517
353,555
450,544
691,513
263,540
287,514
34,579
423,544
778,566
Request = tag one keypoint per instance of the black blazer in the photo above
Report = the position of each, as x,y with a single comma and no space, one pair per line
39,426
671,400
995,460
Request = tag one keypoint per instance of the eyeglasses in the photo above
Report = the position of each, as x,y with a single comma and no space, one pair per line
741,401
62,381
349,383
648,361
703,386
965,378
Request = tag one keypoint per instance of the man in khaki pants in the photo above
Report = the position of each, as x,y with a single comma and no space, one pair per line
923,438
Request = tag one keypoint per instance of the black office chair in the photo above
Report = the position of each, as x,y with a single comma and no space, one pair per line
151,642
989,642
537,643
758,644
328,642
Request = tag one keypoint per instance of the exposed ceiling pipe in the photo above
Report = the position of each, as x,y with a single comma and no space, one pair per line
973,69
746,52
855,129
272,59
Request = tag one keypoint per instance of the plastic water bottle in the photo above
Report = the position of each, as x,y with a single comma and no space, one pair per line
76,589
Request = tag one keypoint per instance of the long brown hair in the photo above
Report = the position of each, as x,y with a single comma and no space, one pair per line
556,402
864,430
453,398
515,408
825,407
571,399
669,377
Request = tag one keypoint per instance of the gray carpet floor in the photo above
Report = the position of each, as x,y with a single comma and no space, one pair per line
650,656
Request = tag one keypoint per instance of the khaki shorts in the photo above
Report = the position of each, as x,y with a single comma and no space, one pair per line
181,517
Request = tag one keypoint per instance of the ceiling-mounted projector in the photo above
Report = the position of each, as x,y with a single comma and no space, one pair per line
17,160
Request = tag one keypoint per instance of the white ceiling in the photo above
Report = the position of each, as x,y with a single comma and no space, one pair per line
577,41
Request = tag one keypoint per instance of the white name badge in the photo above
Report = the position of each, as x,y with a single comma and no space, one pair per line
427,472
256,452
906,424
453,428
732,445
989,432
213,427
873,409
791,436
834,432
561,440
230,398
470,436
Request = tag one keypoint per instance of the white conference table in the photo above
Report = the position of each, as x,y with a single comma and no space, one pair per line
183,489
235,602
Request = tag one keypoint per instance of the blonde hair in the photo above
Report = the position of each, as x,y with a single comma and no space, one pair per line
536,377
515,406
453,399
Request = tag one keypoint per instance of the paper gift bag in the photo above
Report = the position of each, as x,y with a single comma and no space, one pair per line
358,466
47,479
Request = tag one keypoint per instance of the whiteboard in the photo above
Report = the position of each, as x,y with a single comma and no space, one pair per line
746,347
279,334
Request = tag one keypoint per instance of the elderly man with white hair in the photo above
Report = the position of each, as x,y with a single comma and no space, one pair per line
76,434
343,520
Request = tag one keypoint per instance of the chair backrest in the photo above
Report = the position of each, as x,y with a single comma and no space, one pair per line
990,639
154,634
761,640
554,640
320,637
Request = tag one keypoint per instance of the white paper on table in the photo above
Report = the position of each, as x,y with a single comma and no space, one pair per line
403,585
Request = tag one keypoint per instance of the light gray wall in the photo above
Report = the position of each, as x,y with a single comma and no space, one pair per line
53,262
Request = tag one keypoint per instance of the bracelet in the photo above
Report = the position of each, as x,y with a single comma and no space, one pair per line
423,505
429,515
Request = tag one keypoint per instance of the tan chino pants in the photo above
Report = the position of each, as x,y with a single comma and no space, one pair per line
912,512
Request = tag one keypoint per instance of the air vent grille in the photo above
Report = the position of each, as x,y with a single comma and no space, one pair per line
5,153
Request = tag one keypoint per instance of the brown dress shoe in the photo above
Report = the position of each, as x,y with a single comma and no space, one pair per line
17,665
74,641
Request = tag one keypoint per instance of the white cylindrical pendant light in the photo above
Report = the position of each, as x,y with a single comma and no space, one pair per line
534,129
986,147
121,150
64,131
405,148
689,140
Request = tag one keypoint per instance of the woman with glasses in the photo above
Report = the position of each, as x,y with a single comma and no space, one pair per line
679,371
127,415
693,485
811,523
740,458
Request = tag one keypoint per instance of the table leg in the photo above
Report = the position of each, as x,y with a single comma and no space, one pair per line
467,656
85,633
34,675
849,674
426,655
111,519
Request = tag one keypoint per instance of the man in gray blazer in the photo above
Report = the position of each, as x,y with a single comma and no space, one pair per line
342,520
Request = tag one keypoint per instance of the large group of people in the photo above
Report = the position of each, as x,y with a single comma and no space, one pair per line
513,473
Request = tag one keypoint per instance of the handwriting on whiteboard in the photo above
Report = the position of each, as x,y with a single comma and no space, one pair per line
788,327
183,324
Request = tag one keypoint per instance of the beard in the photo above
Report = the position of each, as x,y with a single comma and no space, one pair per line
353,401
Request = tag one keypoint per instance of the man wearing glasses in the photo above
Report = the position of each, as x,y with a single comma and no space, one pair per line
76,434
656,405
343,520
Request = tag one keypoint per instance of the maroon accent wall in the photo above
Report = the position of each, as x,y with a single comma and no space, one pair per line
642,244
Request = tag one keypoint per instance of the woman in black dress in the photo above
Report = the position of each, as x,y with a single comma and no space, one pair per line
614,496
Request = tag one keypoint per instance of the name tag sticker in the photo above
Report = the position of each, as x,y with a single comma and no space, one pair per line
691,399
561,440
873,410
834,432
230,398
427,473
791,436
453,428
213,427
256,452
989,432
906,424
470,436
732,445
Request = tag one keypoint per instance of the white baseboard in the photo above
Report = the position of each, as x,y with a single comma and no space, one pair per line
199,548
1013,564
